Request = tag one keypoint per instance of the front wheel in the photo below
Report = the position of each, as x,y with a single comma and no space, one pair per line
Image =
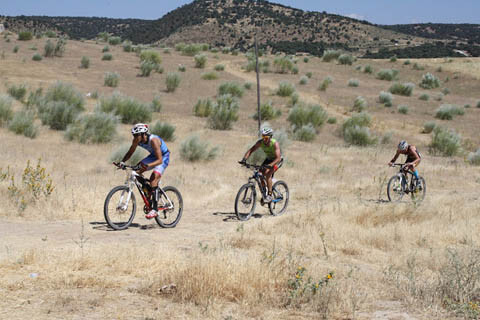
119,208
280,195
418,193
395,189
245,201
170,207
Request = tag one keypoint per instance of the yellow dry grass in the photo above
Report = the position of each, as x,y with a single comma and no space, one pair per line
59,260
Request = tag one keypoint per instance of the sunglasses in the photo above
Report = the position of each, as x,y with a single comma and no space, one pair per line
264,137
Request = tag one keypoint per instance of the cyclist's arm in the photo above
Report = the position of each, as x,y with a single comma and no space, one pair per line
278,155
132,149
394,158
252,150
158,153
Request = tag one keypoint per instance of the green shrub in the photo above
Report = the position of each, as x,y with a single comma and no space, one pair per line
226,50
150,56
478,104
85,62
403,109
448,111
248,85
474,158
23,123
15,49
34,98
445,91
332,120
224,113
406,62
467,106
429,81
203,108
232,88
283,64
439,69
360,104
429,126
387,74
107,57
105,49
195,149
295,70
309,75
209,75
368,69
359,136
325,83
305,133
118,154
50,34
60,47
164,130
146,67
362,119
285,89
173,81
191,50
114,41
387,138
17,92
346,59
127,109
303,80
445,142
267,112
182,68
180,46
424,97
294,99
353,83
97,127
393,59
57,114
305,59
439,97
166,51
385,98
156,104
127,46
111,79
416,66
37,57
402,89
49,49
6,112
219,67
25,35
329,55
301,115
200,60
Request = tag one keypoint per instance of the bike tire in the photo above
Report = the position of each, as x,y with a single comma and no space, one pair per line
395,190
170,217
419,194
119,219
279,191
245,201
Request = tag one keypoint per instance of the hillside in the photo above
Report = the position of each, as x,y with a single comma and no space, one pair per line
465,32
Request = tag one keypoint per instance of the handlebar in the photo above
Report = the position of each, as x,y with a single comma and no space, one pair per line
254,166
125,167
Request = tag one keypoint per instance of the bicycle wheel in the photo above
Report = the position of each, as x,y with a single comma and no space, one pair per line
280,195
394,189
245,201
170,207
119,208
418,193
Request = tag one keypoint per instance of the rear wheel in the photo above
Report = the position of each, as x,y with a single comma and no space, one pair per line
119,208
280,195
245,202
394,189
170,208
418,194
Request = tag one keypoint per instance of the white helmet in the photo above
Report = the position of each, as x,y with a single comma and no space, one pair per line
403,145
140,128
267,131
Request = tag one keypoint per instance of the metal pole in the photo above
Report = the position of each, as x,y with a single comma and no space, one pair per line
258,85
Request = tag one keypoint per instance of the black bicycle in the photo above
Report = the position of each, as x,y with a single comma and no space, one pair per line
400,185
120,205
245,201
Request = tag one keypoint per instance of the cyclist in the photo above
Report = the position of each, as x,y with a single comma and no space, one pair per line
273,161
157,160
413,157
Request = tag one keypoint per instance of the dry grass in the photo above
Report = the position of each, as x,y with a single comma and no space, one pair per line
337,220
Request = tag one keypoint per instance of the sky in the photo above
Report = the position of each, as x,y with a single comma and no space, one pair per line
374,11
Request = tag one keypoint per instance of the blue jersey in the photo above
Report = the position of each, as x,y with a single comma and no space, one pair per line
148,146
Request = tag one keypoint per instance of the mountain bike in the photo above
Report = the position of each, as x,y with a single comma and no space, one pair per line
399,185
245,200
120,205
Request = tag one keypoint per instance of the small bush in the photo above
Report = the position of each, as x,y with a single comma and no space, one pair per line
429,81
478,104
303,80
146,67
203,108
387,74
301,115
156,104
267,112
403,109
111,79
305,133
85,62
127,109
332,120
118,154
439,97
182,68
224,113
285,89
329,55
105,49
346,59
25,35
57,114
309,75
295,70
60,47
248,86
429,126
180,46
164,130
362,119
15,49
34,98
283,64
424,97
166,51
359,136
387,138
325,83
195,149
402,89
219,67
50,34
173,81
446,91
445,142
467,106
127,46
416,66
385,98
226,50
6,112
114,41
232,88
393,59
439,69
360,104
406,62
353,83
474,158
368,69
448,111
107,57
210,75
191,50
305,59
98,127
17,92
200,60
37,57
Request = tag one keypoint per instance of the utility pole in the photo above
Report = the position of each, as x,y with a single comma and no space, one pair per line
258,85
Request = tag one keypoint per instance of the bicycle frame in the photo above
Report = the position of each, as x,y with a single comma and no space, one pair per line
403,174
